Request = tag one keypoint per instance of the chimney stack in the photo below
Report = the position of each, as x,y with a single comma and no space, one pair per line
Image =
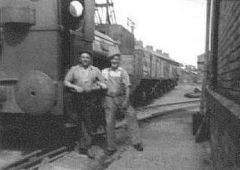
149,47
166,54
138,44
159,51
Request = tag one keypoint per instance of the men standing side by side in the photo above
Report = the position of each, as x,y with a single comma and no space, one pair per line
117,99
84,80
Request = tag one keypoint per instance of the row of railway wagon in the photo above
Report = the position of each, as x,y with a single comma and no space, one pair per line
40,41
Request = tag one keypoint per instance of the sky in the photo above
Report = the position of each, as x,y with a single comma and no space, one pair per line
175,26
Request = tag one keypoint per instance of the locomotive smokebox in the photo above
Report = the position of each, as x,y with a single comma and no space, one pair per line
17,12
16,18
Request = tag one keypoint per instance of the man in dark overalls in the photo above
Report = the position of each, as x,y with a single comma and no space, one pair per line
84,80
117,98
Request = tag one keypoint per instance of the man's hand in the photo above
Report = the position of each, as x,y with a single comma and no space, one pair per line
125,104
102,85
78,89
87,89
96,87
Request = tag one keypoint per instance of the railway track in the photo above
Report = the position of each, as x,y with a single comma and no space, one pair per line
168,104
161,109
39,158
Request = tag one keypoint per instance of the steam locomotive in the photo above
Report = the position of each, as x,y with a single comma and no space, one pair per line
40,40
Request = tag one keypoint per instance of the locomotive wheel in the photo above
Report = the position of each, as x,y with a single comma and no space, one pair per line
3,95
36,93
144,97
159,92
141,97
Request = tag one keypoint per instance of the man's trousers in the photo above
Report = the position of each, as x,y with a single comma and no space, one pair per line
85,112
112,105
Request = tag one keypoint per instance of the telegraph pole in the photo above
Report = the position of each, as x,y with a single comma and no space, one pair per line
131,24
107,13
107,8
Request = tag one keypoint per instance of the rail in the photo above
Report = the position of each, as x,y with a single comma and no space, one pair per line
37,159
167,104
154,110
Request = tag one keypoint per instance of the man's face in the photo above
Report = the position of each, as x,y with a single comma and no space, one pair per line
115,62
85,59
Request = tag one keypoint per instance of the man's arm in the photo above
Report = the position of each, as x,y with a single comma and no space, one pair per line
126,101
101,79
68,81
127,84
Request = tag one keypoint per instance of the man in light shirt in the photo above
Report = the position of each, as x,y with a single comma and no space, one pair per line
84,80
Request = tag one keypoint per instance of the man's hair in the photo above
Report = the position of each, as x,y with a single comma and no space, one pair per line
85,52
116,55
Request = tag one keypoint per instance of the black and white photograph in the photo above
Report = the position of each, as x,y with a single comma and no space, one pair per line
119,85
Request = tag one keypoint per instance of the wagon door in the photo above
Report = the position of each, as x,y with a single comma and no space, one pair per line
158,68
146,65
153,67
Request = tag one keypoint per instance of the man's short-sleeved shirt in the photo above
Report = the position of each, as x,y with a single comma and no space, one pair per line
84,77
118,73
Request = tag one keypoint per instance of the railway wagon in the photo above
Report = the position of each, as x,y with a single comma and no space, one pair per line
40,41
151,73
159,74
